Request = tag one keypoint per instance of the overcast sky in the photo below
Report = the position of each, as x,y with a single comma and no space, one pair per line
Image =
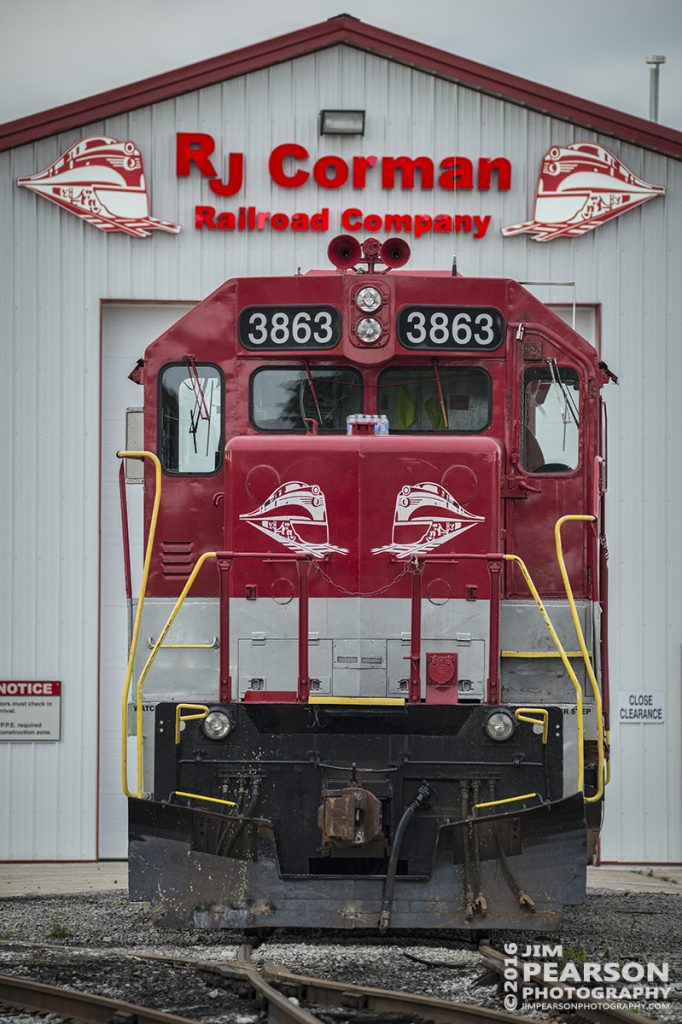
54,51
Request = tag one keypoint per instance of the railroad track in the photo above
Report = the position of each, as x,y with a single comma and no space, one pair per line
277,991
278,987
280,995
35,997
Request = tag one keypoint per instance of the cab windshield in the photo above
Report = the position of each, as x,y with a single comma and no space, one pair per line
288,398
424,399
191,418
551,420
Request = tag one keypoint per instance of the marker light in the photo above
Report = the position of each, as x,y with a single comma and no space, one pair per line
217,725
369,330
499,726
368,299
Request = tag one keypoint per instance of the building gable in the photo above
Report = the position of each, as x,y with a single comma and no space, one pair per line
347,30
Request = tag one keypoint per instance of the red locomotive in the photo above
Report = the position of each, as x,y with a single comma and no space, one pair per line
374,690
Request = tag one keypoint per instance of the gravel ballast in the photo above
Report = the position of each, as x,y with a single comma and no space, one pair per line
92,941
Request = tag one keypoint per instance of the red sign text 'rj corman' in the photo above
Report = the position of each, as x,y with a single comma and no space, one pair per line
580,187
289,166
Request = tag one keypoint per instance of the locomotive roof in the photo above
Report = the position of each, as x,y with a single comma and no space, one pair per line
348,31
518,304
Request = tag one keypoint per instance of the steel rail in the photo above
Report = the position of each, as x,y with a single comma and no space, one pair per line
280,1008
34,996
603,1014
276,984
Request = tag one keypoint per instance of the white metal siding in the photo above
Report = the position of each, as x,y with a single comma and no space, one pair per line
55,270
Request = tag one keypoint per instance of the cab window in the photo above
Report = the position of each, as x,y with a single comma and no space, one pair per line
423,399
284,398
191,418
550,420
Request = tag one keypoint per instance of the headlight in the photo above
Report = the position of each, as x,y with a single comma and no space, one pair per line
217,725
499,726
369,330
368,299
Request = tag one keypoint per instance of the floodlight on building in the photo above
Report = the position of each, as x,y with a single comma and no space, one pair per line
342,122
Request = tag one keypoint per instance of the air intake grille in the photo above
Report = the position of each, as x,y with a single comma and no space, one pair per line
177,558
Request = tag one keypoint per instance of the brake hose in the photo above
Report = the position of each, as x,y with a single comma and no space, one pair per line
389,884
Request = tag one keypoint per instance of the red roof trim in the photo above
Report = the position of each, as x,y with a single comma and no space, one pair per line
351,32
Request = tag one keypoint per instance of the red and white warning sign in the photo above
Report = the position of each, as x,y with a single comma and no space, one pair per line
30,710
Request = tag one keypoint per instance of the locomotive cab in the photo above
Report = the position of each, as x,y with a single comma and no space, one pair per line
375,689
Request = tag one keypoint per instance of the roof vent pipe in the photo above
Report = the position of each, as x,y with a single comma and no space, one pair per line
654,63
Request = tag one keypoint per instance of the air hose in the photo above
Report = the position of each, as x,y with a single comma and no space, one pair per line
389,884
241,817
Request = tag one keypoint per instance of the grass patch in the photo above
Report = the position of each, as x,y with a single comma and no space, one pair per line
576,954
58,930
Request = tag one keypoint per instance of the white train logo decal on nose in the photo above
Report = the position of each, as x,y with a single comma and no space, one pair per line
426,516
101,181
580,187
296,515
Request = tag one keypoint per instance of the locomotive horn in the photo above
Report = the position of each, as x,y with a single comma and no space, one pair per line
395,252
344,251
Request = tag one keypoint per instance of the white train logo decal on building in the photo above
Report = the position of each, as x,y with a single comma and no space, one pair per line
426,516
580,187
295,515
101,181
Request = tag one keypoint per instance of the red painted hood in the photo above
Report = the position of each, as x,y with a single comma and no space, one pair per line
364,504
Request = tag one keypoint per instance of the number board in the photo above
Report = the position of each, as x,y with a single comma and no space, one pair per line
450,328
289,327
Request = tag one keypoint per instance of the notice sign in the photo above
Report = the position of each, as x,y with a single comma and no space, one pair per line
638,706
30,711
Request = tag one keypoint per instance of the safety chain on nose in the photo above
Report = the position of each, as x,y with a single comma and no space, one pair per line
410,569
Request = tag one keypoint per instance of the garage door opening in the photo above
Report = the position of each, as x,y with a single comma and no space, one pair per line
127,330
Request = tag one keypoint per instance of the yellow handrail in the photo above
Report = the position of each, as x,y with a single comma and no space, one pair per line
186,647
539,654
208,799
507,800
564,659
179,717
360,701
524,715
583,647
138,619
213,646
154,651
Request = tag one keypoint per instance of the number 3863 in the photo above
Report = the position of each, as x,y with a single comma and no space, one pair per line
267,327
464,328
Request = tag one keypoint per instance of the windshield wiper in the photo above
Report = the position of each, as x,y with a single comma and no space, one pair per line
197,388
444,411
314,392
569,403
